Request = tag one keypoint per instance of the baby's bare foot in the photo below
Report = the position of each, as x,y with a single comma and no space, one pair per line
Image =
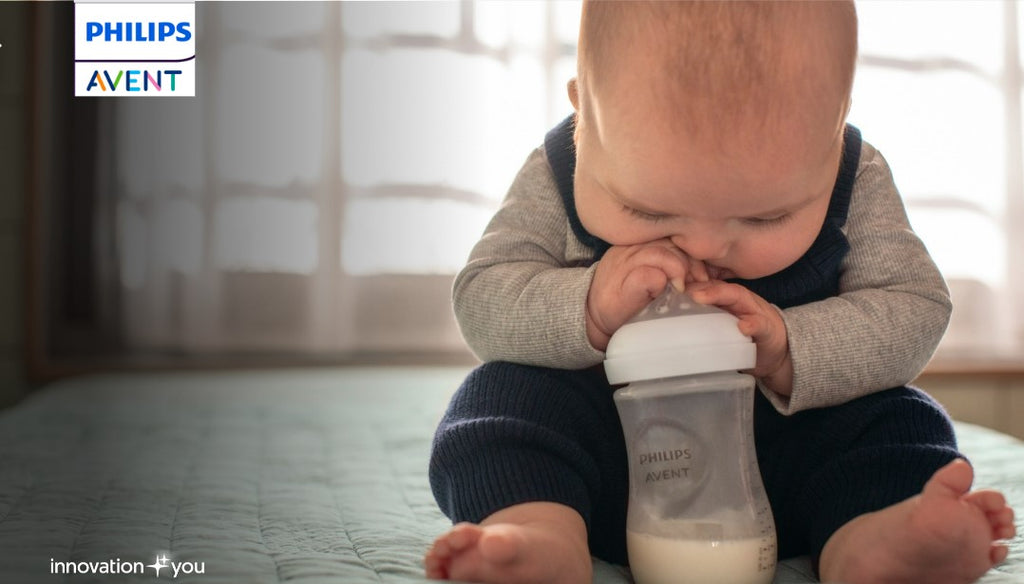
945,535
532,543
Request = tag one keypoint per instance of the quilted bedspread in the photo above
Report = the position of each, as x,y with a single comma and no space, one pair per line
306,475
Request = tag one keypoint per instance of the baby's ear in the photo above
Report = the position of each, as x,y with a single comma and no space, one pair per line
574,94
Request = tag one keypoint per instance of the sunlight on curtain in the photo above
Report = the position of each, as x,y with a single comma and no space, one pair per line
938,93
454,116
335,150
341,153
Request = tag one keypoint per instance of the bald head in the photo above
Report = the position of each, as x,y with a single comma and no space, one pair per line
721,66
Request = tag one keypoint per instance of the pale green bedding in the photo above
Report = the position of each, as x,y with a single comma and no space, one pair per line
306,475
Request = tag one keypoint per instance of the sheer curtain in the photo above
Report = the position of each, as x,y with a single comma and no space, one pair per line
339,162
342,158
938,91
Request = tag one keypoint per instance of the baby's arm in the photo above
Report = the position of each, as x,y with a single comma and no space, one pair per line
889,316
521,297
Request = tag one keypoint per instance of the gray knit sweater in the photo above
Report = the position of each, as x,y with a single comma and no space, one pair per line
522,295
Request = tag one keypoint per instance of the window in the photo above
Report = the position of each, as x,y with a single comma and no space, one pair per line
342,158
938,91
329,180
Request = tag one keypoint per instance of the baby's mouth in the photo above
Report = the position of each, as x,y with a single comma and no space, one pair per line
718,273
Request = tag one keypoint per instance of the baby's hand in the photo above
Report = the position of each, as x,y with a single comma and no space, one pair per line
628,277
759,320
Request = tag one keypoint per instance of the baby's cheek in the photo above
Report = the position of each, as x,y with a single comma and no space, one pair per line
763,259
782,254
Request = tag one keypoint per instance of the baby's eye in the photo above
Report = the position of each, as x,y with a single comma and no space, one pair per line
767,221
643,214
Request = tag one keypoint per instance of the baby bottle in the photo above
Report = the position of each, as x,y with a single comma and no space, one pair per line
698,512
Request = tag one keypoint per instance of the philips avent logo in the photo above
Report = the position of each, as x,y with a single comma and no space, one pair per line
138,31
135,49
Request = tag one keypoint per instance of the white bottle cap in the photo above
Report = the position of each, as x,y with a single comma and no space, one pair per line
675,336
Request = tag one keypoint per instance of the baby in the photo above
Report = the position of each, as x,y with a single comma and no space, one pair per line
708,151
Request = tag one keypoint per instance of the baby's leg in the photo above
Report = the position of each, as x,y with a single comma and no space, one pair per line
824,467
520,459
535,542
872,489
945,535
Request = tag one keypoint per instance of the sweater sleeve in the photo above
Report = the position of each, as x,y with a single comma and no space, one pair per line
892,309
521,296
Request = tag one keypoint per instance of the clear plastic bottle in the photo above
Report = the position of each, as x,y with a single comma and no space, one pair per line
698,512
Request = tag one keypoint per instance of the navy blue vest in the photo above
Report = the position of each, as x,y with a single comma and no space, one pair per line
814,276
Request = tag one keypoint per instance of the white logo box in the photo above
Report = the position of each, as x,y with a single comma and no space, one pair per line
151,67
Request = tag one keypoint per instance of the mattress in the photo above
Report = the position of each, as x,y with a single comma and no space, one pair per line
303,475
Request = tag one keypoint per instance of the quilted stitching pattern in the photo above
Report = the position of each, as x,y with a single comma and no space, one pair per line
298,476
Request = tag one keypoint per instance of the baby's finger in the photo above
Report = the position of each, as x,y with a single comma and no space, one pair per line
642,285
755,326
695,270
732,297
672,262
698,272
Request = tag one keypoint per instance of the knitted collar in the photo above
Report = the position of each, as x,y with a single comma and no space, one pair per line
814,276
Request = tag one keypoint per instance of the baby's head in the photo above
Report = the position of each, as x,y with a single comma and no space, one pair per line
716,124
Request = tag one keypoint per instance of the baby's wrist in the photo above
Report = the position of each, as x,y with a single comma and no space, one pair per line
598,339
781,380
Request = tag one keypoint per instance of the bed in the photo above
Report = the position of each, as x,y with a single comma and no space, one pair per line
301,475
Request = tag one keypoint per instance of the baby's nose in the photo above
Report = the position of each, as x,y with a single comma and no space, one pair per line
702,246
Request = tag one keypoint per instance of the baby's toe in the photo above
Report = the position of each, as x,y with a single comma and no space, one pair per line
435,567
462,536
1003,527
1005,532
998,553
502,544
437,558
440,550
986,500
1002,523
1002,516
